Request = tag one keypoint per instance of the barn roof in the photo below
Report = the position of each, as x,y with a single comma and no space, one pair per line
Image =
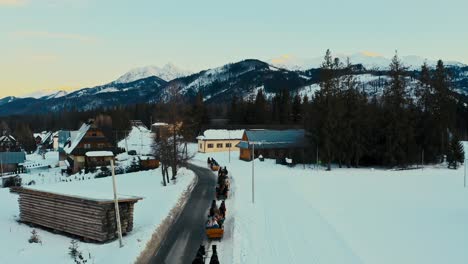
269,139
12,157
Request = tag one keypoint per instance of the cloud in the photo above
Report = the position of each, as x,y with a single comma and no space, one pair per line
282,59
371,54
12,2
53,35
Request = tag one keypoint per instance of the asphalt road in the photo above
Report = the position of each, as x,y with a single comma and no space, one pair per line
188,232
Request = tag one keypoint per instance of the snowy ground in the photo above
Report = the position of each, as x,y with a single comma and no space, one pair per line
343,216
139,139
157,202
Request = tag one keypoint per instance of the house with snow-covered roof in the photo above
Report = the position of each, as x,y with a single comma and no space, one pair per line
163,130
8,144
45,140
11,162
273,144
84,147
219,140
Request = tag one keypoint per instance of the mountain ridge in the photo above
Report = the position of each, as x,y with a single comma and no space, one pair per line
369,60
242,79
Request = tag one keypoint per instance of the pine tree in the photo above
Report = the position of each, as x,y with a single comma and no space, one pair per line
297,109
25,136
325,121
443,106
260,108
455,153
399,134
284,106
196,117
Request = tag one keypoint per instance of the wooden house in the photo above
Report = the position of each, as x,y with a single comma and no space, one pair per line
219,140
88,138
98,158
164,130
273,144
8,144
44,140
11,162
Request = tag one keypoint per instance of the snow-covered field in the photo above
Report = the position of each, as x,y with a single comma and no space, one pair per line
149,213
343,216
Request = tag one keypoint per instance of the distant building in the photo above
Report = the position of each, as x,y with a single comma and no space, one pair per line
45,140
164,130
9,144
160,129
10,162
273,144
64,136
98,158
87,139
218,140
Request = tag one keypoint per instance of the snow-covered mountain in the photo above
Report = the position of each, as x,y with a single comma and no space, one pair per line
218,86
370,60
53,95
241,79
7,100
168,72
45,93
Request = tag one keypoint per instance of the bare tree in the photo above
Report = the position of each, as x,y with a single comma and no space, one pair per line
171,147
161,150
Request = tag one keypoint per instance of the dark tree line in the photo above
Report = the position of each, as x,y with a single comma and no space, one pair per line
403,125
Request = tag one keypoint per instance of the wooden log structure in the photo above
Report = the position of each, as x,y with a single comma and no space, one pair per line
90,219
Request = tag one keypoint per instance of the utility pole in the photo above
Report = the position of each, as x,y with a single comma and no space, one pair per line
422,160
141,143
253,172
229,131
116,203
316,163
126,143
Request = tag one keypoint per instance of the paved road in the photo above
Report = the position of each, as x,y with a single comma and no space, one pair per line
188,232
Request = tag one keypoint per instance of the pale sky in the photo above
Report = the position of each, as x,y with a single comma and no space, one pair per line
69,44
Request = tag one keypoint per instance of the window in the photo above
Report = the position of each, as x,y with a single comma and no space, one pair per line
87,146
210,145
228,145
94,134
201,146
101,145
219,145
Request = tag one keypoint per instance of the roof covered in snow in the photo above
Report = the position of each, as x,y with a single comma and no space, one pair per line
160,124
219,134
76,138
99,154
7,138
45,136
268,139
